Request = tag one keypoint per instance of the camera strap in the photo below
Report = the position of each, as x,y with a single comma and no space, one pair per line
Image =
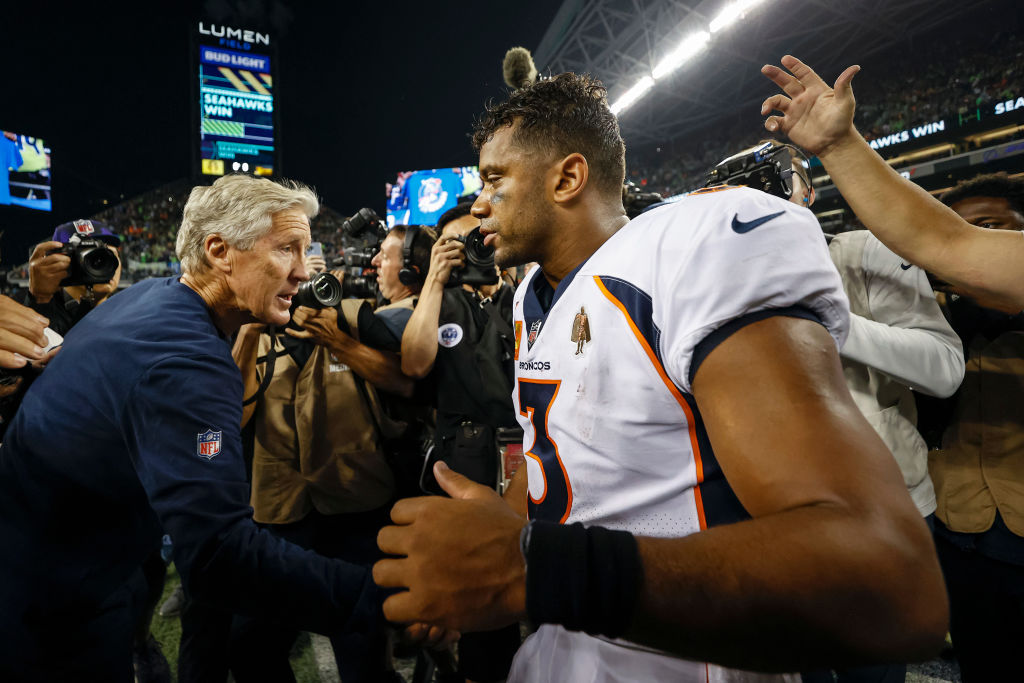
271,360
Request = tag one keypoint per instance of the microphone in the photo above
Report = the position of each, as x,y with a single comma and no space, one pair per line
518,68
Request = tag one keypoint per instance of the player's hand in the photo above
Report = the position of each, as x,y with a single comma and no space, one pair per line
458,557
21,334
814,116
46,270
318,324
446,255
430,637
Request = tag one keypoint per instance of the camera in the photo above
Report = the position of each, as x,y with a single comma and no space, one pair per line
635,201
364,221
359,287
479,268
359,258
320,291
767,167
92,262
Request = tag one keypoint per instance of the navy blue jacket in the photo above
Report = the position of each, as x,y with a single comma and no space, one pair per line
131,430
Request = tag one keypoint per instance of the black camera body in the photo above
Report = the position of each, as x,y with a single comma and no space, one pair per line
92,262
767,167
479,268
365,222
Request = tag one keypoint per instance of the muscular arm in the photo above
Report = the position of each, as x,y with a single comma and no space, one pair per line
984,263
244,352
836,566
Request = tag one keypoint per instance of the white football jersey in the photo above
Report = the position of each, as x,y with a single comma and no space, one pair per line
612,434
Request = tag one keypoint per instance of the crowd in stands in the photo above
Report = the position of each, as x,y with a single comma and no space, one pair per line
928,85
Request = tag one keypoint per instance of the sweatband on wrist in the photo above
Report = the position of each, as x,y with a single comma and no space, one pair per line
585,579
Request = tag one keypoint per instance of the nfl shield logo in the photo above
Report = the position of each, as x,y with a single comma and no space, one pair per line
208,444
84,227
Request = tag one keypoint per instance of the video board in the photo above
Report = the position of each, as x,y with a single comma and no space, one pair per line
24,171
420,197
236,101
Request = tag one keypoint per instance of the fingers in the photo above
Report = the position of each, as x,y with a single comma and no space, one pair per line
400,608
458,486
391,540
842,86
388,573
298,334
775,103
803,73
43,248
407,510
790,85
774,124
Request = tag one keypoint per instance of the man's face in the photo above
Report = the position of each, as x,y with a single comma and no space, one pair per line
515,214
264,279
388,261
989,212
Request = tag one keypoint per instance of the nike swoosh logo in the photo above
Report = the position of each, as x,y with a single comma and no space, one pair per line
906,266
741,227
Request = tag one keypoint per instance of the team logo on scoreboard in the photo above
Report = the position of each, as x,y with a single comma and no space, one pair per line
208,444
432,197
84,227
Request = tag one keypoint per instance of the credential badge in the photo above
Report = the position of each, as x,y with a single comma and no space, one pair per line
449,335
208,444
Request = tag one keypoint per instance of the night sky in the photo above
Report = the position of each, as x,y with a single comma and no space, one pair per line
364,90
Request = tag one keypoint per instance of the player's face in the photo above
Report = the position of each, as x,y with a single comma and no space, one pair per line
264,279
514,212
989,212
388,261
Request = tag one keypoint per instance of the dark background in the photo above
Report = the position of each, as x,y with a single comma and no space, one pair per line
364,90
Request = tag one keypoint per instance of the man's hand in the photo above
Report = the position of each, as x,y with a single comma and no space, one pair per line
21,334
458,557
429,637
320,325
446,255
46,270
814,116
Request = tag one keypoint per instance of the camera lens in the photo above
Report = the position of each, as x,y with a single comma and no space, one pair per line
99,264
477,252
321,291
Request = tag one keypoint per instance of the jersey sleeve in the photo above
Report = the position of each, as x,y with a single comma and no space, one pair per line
733,258
182,428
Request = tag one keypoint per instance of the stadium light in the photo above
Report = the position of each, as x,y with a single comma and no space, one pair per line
731,14
633,94
690,46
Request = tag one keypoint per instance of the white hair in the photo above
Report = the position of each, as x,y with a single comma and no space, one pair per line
239,208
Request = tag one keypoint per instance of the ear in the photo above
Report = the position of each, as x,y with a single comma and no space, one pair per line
809,200
573,173
217,250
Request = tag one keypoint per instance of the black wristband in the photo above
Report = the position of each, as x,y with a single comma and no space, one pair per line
586,579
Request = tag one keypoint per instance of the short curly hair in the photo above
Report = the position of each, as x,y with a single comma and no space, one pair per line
988,185
565,114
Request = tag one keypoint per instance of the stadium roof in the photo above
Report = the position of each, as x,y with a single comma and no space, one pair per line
622,41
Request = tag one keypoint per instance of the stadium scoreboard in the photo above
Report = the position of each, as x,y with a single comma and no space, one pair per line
236,85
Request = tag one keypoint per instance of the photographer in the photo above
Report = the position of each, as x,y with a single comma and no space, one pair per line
464,334
319,475
62,274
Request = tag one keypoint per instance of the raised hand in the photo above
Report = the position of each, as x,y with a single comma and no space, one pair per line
814,116
21,334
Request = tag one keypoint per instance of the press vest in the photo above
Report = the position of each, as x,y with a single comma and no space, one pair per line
981,465
316,441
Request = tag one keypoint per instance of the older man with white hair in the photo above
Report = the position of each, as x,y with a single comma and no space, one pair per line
147,438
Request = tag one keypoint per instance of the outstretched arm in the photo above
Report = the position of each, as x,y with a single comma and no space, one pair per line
984,263
835,567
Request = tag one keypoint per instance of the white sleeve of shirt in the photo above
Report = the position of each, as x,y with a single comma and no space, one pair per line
729,270
909,339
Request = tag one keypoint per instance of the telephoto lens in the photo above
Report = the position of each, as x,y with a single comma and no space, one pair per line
321,291
479,268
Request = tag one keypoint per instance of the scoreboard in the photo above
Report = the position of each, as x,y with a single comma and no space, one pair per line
237,122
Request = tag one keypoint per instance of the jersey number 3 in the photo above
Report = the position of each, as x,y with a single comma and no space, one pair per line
535,400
